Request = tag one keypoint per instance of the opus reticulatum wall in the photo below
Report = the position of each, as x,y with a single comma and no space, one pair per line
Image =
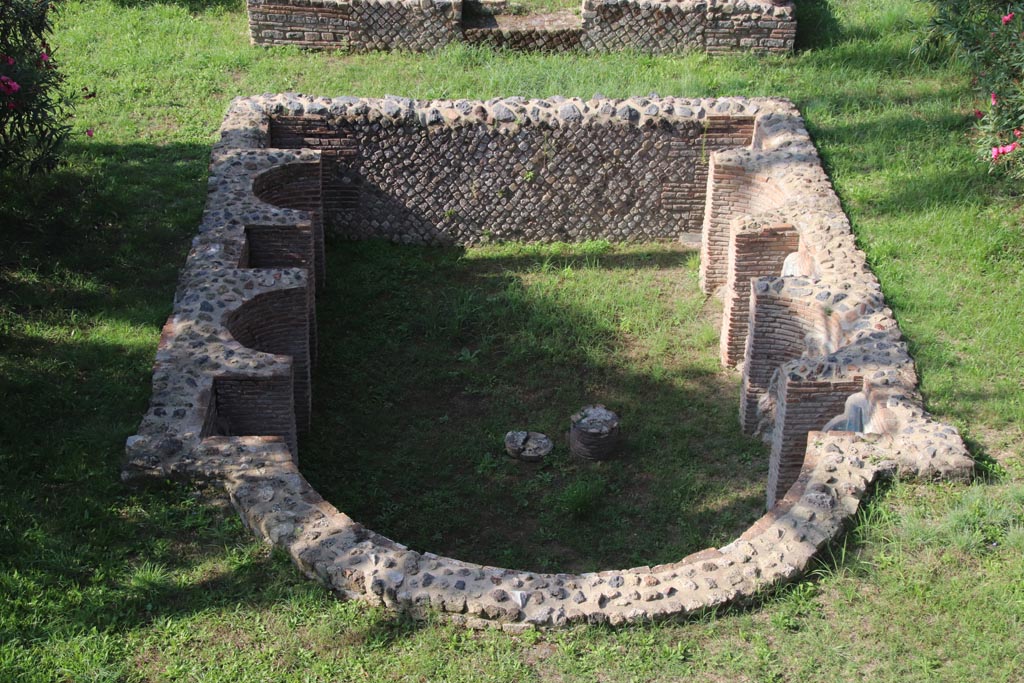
826,377
649,26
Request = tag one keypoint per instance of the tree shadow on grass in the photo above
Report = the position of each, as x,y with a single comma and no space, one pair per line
816,25
88,267
100,238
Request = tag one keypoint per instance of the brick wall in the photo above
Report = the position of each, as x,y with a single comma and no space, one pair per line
732,193
355,25
530,39
760,28
755,251
298,186
277,323
242,406
655,27
473,181
781,328
801,406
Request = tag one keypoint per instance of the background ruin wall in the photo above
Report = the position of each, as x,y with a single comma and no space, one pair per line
649,26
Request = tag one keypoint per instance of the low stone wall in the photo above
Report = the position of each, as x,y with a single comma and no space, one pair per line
649,26
826,377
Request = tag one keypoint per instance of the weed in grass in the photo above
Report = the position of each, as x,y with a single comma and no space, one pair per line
582,497
794,604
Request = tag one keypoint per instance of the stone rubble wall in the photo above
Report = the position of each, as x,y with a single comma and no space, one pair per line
229,382
649,26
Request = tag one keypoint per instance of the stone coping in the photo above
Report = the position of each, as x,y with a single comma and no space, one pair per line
208,386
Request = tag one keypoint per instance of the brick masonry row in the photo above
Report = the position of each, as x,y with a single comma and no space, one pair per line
649,26
231,379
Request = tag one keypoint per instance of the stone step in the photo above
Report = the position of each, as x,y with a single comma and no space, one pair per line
555,32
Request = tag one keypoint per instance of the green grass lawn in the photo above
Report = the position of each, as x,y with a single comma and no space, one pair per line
100,583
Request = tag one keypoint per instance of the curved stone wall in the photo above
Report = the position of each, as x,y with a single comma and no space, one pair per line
820,350
649,26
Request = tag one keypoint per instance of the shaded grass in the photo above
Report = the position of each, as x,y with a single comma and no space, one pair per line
105,584
432,355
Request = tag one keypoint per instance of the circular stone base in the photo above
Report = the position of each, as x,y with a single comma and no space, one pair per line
594,434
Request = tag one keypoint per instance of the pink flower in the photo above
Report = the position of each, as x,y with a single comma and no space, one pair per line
43,57
1003,149
1007,18
992,98
8,86
978,114
89,132
1017,132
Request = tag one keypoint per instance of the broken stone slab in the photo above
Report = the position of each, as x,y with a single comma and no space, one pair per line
528,446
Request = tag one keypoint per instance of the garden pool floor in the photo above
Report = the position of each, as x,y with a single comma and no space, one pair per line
428,356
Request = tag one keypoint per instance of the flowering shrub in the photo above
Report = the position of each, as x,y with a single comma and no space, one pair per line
33,110
989,37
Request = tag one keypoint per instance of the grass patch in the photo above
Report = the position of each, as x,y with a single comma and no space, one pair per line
432,355
99,583
524,7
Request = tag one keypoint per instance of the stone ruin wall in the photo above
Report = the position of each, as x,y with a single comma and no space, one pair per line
514,170
826,378
648,26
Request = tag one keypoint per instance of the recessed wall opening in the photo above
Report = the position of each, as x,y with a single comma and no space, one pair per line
244,406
